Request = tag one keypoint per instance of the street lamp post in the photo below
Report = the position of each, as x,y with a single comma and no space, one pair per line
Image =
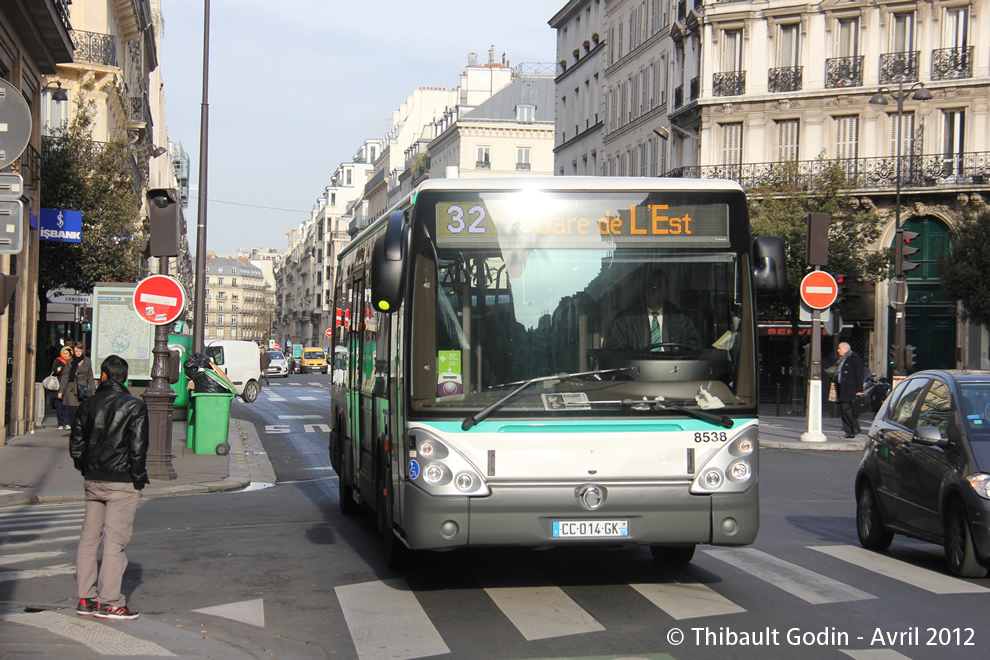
917,92
199,307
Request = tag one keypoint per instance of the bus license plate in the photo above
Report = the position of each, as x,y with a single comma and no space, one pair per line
590,528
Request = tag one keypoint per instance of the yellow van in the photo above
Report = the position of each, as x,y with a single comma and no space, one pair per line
313,359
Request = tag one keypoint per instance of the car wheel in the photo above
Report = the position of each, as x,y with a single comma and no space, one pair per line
960,555
869,524
665,554
250,391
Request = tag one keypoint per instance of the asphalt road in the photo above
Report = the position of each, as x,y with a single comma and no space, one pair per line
278,572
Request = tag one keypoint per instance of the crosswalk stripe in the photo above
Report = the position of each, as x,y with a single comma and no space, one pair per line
6,560
102,639
807,585
538,610
924,578
57,539
61,569
386,621
12,536
17,526
874,654
686,600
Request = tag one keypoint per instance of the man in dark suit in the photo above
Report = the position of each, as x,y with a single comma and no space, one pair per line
850,386
652,321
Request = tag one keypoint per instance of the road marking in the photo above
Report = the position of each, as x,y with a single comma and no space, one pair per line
686,600
316,428
540,610
386,621
307,398
13,535
28,556
100,638
924,578
61,569
25,525
874,654
251,612
60,539
807,585
276,429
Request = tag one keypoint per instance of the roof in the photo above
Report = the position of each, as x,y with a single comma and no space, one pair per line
222,266
537,91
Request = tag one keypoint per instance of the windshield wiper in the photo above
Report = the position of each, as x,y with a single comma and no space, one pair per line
711,418
471,420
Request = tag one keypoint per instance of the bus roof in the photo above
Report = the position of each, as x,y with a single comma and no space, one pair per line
552,184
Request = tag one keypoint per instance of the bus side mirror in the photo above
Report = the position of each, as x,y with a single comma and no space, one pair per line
770,265
387,264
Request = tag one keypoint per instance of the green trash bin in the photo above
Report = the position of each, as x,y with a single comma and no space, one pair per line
209,420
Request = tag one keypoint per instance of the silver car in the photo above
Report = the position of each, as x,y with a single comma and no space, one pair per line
279,365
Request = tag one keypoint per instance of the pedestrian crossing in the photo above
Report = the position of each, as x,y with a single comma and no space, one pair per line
403,617
283,392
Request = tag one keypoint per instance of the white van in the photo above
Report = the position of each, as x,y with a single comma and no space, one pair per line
241,361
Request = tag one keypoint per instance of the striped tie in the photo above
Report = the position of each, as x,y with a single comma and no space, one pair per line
655,337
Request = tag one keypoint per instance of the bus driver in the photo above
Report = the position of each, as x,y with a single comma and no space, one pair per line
651,323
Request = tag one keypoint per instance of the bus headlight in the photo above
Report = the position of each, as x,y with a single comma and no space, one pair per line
439,470
733,467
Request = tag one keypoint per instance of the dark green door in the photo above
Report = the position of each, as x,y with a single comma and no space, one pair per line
930,321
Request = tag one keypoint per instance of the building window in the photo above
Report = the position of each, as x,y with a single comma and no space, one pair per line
732,150
219,333
643,154
233,281
732,51
953,141
54,114
522,159
220,281
484,158
902,37
847,138
219,319
789,47
848,36
525,113
347,175
788,135
907,130
372,152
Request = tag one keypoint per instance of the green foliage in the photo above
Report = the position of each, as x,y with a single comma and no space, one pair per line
780,210
82,175
965,271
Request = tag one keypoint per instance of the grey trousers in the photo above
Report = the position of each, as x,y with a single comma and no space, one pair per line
110,508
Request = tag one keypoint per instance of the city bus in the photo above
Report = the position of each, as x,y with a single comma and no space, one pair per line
499,381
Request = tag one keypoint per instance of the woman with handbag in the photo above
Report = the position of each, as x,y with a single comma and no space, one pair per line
61,413
77,382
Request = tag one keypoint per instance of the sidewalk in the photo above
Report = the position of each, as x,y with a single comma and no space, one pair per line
36,468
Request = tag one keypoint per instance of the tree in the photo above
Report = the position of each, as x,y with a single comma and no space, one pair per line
95,178
780,210
965,271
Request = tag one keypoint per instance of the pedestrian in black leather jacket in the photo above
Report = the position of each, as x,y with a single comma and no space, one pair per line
109,438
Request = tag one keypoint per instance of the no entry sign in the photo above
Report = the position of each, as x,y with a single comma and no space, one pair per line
819,290
159,299
329,332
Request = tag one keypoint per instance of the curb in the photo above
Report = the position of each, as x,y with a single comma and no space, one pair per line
828,445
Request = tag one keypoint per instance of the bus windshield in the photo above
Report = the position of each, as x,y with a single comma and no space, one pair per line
654,298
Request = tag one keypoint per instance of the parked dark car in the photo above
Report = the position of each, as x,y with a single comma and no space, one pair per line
925,471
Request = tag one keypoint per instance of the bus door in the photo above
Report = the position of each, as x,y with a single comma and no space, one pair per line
368,340
355,350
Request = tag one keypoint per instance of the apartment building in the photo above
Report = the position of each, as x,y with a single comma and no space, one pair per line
239,302
579,102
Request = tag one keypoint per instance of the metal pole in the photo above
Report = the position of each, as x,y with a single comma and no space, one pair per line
199,310
160,399
899,307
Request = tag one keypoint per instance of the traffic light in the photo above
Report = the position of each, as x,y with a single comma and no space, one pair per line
840,289
909,357
163,218
903,250
895,356
816,239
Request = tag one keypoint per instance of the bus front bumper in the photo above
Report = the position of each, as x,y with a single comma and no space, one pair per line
524,515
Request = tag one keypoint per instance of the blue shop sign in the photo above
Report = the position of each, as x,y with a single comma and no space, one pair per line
60,225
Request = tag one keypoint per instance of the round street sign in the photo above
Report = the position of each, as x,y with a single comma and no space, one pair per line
330,333
818,289
159,299
16,123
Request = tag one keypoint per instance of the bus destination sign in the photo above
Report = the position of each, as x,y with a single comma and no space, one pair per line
477,223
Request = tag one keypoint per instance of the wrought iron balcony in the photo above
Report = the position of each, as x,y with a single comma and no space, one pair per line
899,67
140,110
522,167
729,83
482,165
94,47
917,171
695,88
678,96
785,79
844,72
952,63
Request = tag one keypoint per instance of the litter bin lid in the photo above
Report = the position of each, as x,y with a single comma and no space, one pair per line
220,378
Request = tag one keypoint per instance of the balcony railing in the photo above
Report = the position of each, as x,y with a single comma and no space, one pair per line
482,165
94,47
917,171
844,72
678,96
522,167
899,67
952,63
140,110
785,79
729,83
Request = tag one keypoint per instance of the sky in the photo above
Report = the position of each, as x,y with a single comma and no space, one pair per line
296,86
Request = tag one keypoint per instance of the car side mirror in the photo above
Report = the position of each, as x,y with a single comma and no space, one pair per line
929,436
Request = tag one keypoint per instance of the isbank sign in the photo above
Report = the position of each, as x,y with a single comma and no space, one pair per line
60,225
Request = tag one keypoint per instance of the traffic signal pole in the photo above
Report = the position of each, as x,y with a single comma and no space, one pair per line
814,432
